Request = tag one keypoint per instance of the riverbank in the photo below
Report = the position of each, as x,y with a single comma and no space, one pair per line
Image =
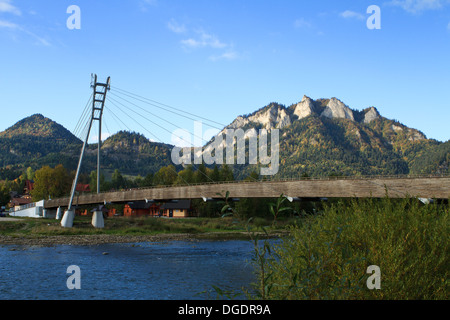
82,240
45,232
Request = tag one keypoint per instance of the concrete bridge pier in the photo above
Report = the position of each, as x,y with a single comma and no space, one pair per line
67,219
98,220
59,213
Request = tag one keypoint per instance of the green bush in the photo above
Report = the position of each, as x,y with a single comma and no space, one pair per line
326,256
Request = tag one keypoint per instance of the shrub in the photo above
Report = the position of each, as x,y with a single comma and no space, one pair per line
326,256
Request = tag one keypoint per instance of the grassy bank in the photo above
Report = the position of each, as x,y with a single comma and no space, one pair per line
327,256
122,226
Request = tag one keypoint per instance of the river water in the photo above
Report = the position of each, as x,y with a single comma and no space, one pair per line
178,270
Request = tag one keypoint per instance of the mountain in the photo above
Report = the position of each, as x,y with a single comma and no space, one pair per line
35,138
326,137
319,137
133,154
37,141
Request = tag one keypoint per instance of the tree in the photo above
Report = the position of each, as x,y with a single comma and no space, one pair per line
165,176
4,195
253,176
226,173
93,181
117,180
185,176
201,175
148,180
30,173
215,175
51,183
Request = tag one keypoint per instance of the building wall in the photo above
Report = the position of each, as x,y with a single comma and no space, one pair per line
177,213
34,211
130,212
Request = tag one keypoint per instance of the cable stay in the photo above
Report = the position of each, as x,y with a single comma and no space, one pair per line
168,108
145,128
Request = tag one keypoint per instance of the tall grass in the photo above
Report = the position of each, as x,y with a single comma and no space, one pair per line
326,256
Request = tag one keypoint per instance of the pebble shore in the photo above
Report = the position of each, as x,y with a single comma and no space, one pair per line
103,238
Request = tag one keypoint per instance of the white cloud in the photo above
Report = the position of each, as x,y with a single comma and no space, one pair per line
13,26
348,14
175,27
6,6
302,23
229,55
200,39
418,6
204,40
39,39
7,24
144,4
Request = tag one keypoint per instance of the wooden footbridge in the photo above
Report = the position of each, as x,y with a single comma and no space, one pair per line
435,187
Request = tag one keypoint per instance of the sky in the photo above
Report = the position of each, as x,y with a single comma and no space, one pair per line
218,59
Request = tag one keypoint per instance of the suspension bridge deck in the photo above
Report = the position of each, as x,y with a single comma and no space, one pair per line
395,187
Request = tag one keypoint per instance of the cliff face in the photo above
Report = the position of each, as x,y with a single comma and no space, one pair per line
326,136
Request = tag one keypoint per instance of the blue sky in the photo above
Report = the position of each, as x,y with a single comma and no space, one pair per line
220,59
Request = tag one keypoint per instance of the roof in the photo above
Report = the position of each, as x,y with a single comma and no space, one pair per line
29,184
179,204
83,188
100,208
140,205
20,201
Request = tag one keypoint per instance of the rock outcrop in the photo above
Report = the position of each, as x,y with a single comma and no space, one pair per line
371,114
337,109
304,108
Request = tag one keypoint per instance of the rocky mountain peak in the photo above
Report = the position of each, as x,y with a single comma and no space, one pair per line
371,114
337,109
270,117
304,108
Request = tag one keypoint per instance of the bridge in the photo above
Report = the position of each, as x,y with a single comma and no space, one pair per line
435,187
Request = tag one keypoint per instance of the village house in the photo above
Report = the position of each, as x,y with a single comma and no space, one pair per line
176,209
141,208
28,187
106,212
173,209
83,188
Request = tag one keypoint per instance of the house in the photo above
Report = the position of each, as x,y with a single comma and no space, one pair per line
19,201
141,208
106,212
82,188
176,209
28,187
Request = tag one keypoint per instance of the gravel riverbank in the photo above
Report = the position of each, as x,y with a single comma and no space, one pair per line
103,238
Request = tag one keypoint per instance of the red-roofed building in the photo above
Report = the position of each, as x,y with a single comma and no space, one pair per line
29,186
83,188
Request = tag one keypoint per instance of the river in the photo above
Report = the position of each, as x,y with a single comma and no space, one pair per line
171,270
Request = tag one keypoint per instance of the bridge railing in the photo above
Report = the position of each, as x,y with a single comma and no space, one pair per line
23,207
299,178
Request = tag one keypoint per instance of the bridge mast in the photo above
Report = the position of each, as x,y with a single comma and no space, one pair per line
98,103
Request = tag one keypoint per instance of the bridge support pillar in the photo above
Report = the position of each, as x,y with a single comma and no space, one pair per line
98,220
67,219
59,213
